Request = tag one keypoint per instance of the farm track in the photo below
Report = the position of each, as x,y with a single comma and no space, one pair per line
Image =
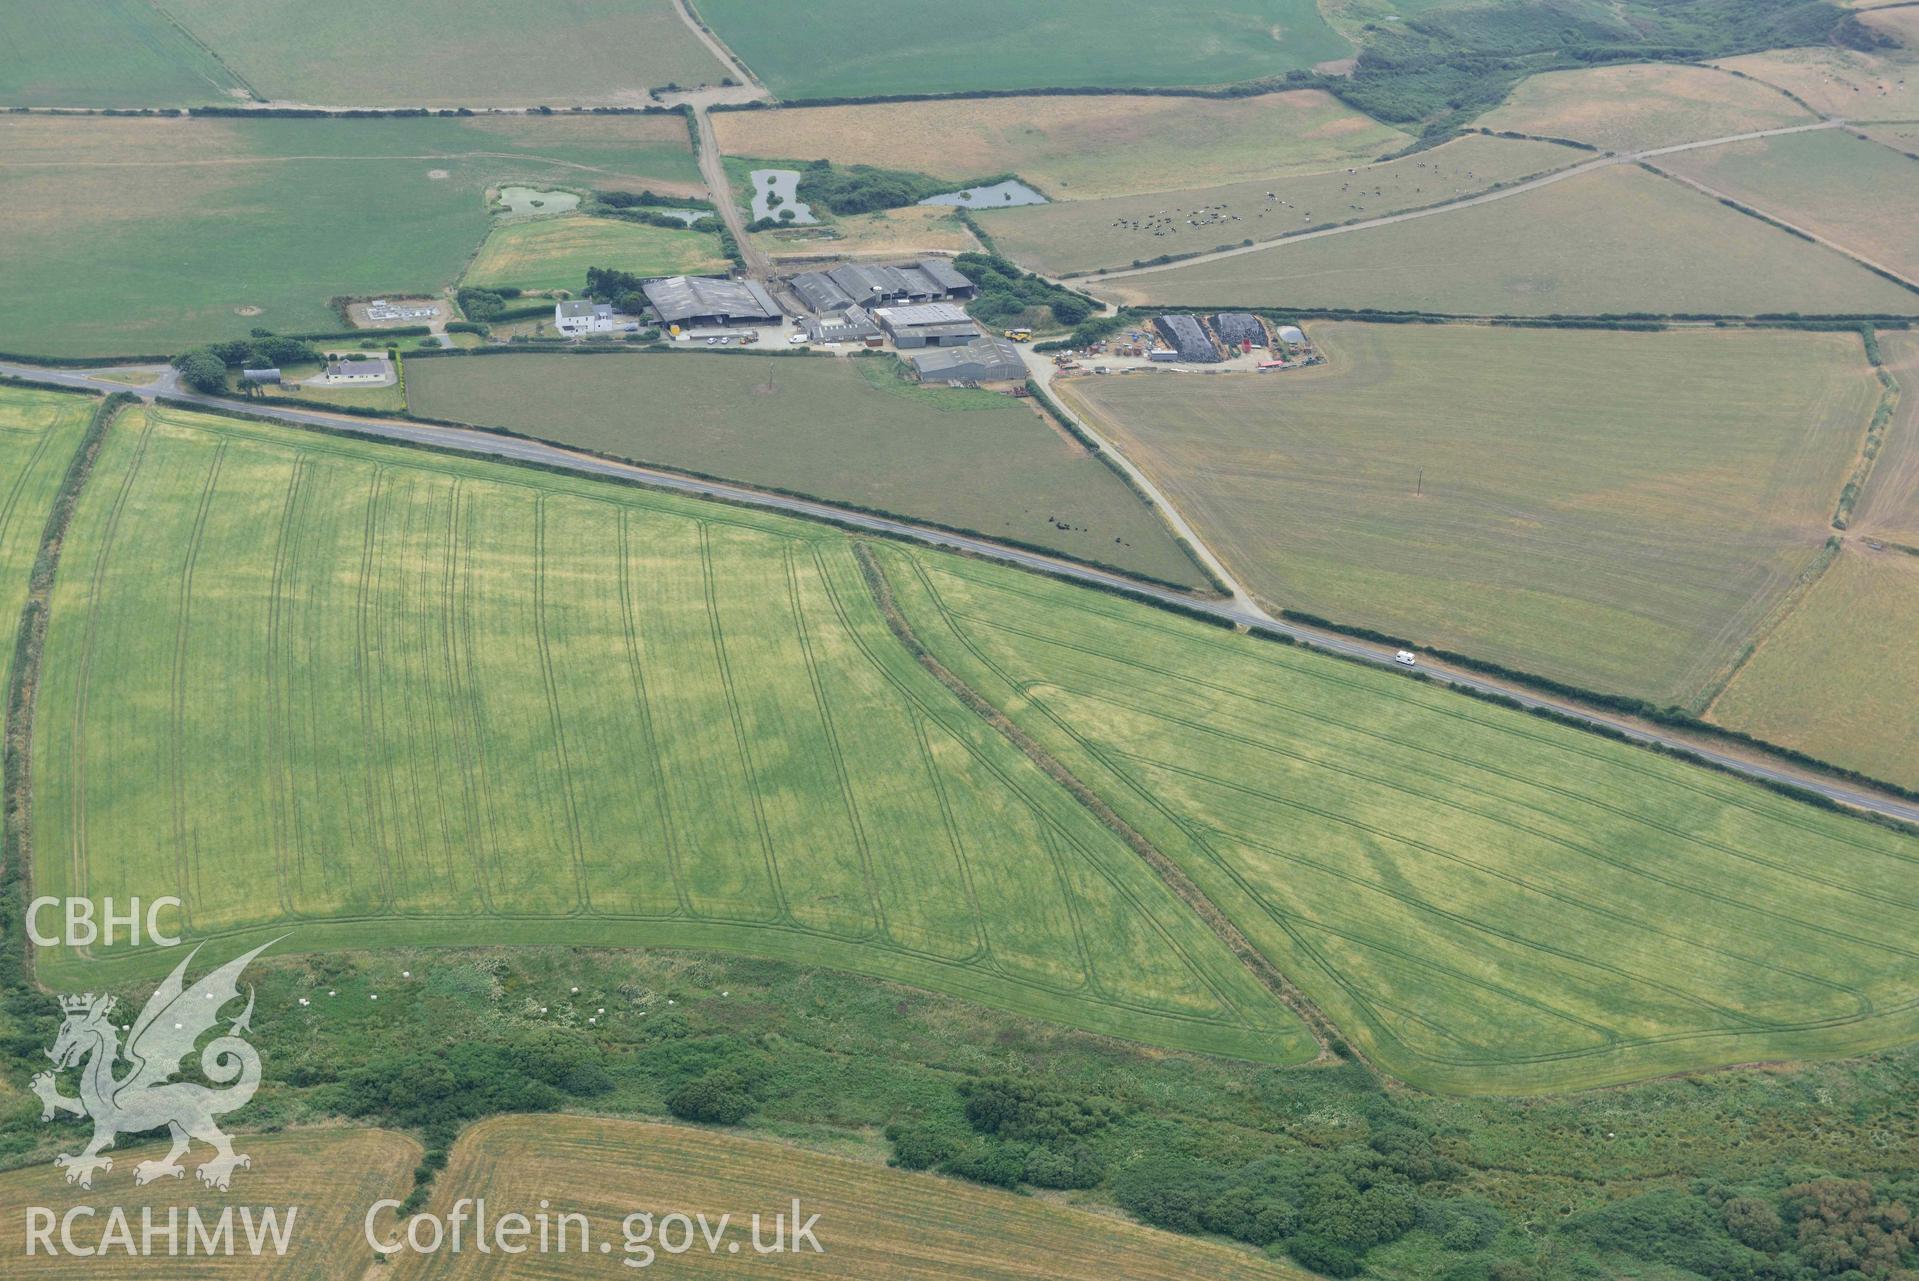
1748,763
1518,188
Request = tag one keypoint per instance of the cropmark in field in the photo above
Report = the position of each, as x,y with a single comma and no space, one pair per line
384,697
1482,900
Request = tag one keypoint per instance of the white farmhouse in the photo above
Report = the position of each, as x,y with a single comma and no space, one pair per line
584,316
376,370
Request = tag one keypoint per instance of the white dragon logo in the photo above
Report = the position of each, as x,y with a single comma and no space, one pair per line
147,1097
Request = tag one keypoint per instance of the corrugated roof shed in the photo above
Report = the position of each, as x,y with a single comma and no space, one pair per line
817,290
924,313
945,275
982,360
682,298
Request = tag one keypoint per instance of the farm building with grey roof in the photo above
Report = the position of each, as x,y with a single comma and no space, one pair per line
709,300
984,360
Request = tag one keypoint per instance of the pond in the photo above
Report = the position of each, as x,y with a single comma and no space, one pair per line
1001,195
783,184
531,200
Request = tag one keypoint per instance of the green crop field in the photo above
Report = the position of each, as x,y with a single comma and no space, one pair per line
1633,107
874,1221
846,430
378,697
103,53
1849,190
1839,678
1619,511
1075,146
1482,900
554,253
804,51
39,430
1612,241
1080,235
162,233
453,53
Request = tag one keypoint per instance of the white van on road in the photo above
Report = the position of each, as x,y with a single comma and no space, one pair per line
1405,658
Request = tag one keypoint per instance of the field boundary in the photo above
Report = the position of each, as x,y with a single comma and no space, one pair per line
1324,1032
23,687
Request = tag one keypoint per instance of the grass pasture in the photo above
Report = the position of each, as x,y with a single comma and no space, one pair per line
1081,235
874,1221
39,431
105,53
1612,241
554,253
1839,677
382,698
888,233
1847,189
1632,107
803,51
1618,511
330,1176
1483,901
1075,147
164,233
1848,83
846,430
454,53
1889,506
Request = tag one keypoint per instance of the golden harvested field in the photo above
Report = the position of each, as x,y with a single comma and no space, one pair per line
873,1221
1615,510
1081,235
1072,147
1840,82
1615,240
1889,507
332,1177
1633,107
554,253
888,233
1849,190
1839,678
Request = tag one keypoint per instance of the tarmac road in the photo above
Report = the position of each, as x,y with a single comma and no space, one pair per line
490,445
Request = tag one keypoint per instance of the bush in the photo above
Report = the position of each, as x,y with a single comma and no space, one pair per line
921,1147
1075,1167
1012,1108
203,371
998,1165
719,1097
1168,1191
1323,1255
859,189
